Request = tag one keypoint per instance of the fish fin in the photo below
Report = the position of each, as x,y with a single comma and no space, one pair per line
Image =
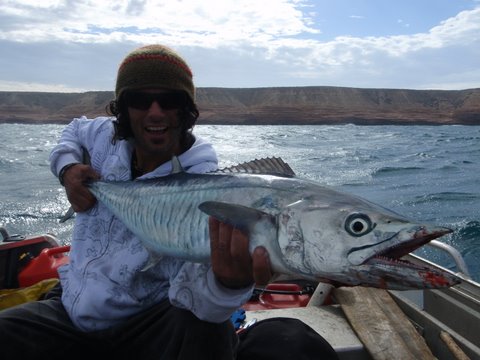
176,166
70,212
265,166
239,216
153,260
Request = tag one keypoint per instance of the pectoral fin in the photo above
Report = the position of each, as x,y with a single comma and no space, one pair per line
239,216
153,260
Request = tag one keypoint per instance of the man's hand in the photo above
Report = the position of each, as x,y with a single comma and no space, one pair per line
231,261
74,180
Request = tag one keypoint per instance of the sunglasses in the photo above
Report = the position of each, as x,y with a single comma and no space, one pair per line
143,100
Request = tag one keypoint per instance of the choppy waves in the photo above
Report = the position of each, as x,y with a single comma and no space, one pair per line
429,173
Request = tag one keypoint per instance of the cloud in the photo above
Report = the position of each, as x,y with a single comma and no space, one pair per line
40,87
409,59
403,23
75,44
206,23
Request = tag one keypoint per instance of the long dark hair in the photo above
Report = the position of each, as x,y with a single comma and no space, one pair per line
187,115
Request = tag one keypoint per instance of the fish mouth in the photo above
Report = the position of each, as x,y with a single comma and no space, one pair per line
388,270
393,254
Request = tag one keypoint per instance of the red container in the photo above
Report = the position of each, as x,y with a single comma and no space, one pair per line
279,301
44,266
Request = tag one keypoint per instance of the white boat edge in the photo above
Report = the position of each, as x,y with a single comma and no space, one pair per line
454,311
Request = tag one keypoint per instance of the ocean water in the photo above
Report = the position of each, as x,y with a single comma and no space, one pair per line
429,173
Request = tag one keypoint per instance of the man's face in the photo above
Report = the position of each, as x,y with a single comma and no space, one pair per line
154,121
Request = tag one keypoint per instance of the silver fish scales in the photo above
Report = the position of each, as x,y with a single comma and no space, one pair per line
310,230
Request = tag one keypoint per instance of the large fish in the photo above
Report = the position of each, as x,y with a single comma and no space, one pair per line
310,231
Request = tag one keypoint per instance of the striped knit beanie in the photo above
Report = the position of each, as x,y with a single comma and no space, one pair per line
154,66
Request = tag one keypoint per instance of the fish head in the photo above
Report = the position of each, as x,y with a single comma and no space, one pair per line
349,241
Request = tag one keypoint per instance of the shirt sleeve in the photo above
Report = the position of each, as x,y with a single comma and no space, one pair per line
78,135
196,289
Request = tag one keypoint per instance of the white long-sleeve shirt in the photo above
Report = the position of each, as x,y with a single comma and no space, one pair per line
103,284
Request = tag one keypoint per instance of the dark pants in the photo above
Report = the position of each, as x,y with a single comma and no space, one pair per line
42,329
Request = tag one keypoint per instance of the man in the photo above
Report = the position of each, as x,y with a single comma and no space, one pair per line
111,303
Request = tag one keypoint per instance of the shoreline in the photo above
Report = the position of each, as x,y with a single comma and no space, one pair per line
319,123
320,105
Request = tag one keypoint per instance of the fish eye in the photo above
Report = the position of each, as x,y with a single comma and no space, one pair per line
358,224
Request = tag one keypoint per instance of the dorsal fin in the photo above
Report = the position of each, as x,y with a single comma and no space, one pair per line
265,166
176,166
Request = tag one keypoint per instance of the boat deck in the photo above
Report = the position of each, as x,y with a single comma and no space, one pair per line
448,320
329,321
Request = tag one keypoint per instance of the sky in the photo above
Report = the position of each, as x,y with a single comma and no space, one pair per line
77,45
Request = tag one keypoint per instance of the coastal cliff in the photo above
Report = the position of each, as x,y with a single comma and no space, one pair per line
270,106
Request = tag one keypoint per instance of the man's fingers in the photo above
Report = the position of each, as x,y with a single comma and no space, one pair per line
78,194
217,245
213,229
90,174
224,239
261,266
232,263
239,246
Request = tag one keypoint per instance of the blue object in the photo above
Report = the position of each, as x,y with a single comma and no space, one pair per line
237,318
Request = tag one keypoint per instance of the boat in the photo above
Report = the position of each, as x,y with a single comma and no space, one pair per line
359,322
